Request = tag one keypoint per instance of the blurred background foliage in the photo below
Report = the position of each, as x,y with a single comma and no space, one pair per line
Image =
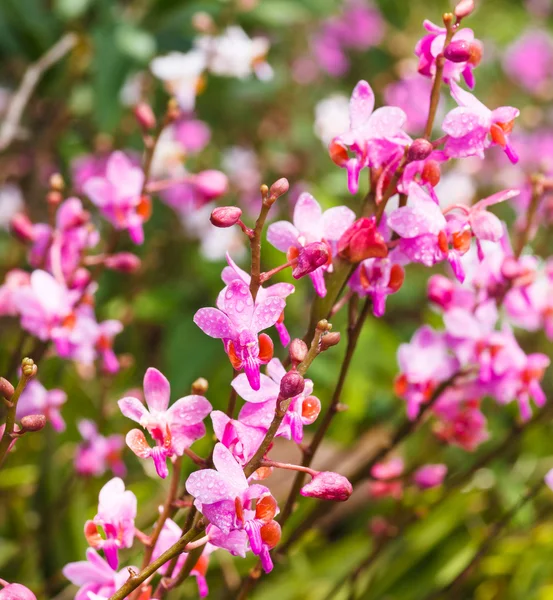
76,109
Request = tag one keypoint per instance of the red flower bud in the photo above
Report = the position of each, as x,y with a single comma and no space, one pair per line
145,115
464,8
311,257
362,240
126,262
457,51
297,351
22,227
6,389
328,486
419,150
291,385
225,216
33,423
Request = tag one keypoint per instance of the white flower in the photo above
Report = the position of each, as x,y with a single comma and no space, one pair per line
182,75
168,156
331,117
234,54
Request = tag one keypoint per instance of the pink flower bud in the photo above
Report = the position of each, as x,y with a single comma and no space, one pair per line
6,389
145,115
81,278
419,150
429,476
311,257
391,469
328,486
22,227
278,188
330,339
297,350
126,262
457,51
362,240
440,290
464,8
33,423
225,216
15,591
211,183
291,385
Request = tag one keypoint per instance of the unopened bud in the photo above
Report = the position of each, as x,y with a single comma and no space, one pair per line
126,262
362,240
225,216
279,187
297,351
464,8
28,367
203,22
311,257
457,51
144,115
328,486
291,385
431,173
441,290
15,591
6,389
324,325
33,423
22,227
329,340
81,278
200,386
419,150
54,198
57,184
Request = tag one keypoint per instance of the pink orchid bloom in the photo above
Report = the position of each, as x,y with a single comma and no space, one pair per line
377,278
281,290
427,237
224,497
387,476
424,363
472,127
15,591
241,439
411,94
448,294
429,476
95,577
529,60
97,453
376,138
260,408
311,224
173,429
118,195
115,517
431,46
37,400
107,330
15,280
238,323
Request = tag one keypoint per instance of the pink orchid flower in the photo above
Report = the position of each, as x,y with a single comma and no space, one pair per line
311,224
241,439
472,127
224,497
118,195
429,476
15,280
96,454
281,290
115,517
260,408
375,138
37,400
238,323
173,429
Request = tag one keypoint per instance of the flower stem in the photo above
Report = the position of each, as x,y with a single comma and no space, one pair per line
255,242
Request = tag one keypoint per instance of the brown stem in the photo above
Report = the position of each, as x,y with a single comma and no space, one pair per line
255,242
537,192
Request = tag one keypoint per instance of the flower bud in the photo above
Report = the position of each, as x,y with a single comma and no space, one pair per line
440,290
15,591
54,198
6,389
81,278
211,183
144,114
291,385
56,182
429,476
126,262
203,22
431,172
329,340
33,423
28,367
457,51
297,351
279,187
327,485
362,240
22,227
464,8
419,150
200,387
225,216
311,257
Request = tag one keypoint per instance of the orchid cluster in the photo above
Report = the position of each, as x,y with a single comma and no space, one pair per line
215,463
